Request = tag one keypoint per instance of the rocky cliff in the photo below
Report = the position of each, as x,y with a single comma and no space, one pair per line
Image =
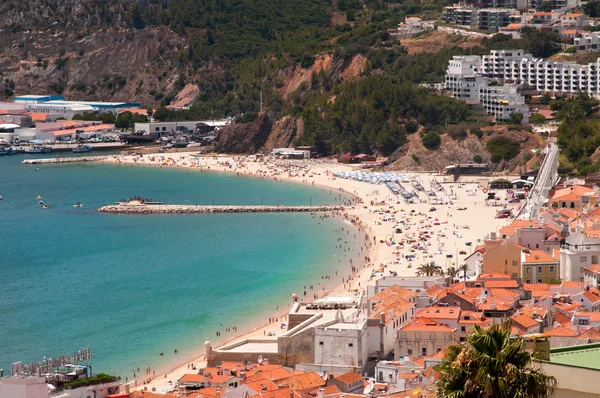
244,137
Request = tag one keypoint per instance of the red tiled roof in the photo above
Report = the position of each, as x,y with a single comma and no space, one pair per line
504,284
349,377
394,290
426,324
191,378
524,321
439,313
560,331
591,333
594,268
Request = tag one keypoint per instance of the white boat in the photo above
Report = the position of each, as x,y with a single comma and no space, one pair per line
82,148
38,149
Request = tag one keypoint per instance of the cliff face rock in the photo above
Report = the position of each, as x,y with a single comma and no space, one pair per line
413,156
244,137
284,132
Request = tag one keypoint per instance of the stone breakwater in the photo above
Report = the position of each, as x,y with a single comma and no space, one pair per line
191,209
65,160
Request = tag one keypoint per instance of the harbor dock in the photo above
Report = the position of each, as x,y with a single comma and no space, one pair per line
126,208
78,159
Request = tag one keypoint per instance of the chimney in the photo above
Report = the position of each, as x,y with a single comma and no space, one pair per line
265,361
226,372
391,314
382,319
321,393
243,374
492,305
206,379
218,393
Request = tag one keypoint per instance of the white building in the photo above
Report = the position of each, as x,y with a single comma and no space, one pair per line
581,249
170,127
412,26
23,387
503,101
588,41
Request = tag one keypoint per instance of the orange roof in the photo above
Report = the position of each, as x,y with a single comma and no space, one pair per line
480,248
86,129
574,15
436,291
207,392
38,117
275,374
504,293
349,378
473,318
394,290
391,303
591,333
567,307
524,321
512,26
542,14
303,382
510,229
492,275
572,285
148,394
487,306
576,190
594,268
262,385
561,319
439,313
503,284
191,378
570,32
419,361
560,331
538,256
280,393
332,389
594,316
135,111
593,295
426,324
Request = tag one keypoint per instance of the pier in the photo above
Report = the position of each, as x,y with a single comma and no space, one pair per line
126,208
80,159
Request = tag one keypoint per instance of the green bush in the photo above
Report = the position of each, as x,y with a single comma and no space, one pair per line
477,159
248,117
412,127
537,118
502,148
100,378
431,140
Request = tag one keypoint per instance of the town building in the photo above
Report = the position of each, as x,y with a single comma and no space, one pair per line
412,26
588,41
503,101
423,337
591,275
169,128
575,368
537,266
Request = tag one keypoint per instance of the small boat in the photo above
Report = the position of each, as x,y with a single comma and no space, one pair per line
78,204
38,149
82,148
45,206
1,198
36,169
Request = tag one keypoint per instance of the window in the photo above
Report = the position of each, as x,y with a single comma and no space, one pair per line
528,281
350,345
463,329
528,270
515,263
157,129
540,281
540,270
320,343
409,351
424,351
381,375
537,246
583,259
164,129
551,269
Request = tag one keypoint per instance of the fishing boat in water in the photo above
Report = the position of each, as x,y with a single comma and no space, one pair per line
82,148
38,149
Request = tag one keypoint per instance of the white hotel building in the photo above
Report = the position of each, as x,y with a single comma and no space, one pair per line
465,81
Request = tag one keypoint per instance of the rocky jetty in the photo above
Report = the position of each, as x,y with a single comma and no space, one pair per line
66,160
137,208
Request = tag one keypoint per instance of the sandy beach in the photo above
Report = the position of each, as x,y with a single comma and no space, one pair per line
389,227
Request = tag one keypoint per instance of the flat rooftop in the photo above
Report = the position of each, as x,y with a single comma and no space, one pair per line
256,347
581,356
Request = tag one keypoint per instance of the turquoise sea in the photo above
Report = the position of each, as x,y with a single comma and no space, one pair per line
131,287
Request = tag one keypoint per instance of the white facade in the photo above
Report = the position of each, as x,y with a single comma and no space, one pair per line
542,75
578,251
169,127
23,387
95,391
502,101
341,344
589,41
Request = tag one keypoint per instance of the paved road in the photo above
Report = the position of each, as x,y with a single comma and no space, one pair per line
544,182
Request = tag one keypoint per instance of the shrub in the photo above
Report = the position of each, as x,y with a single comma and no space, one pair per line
477,132
502,148
537,118
457,132
477,159
431,140
412,127
416,158
248,117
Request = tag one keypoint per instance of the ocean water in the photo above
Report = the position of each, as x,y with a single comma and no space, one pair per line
132,287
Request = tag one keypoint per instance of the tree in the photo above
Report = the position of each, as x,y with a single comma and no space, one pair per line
516,118
537,118
431,140
492,364
452,273
464,268
161,114
427,269
502,148
477,159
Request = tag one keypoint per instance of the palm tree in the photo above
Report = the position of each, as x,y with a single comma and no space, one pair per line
452,273
492,364
464,268
427,269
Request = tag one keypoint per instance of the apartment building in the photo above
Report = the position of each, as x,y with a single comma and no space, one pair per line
588,41
539,267
503,101
460,15
580,250
574,20
494,18
423,337
463,78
